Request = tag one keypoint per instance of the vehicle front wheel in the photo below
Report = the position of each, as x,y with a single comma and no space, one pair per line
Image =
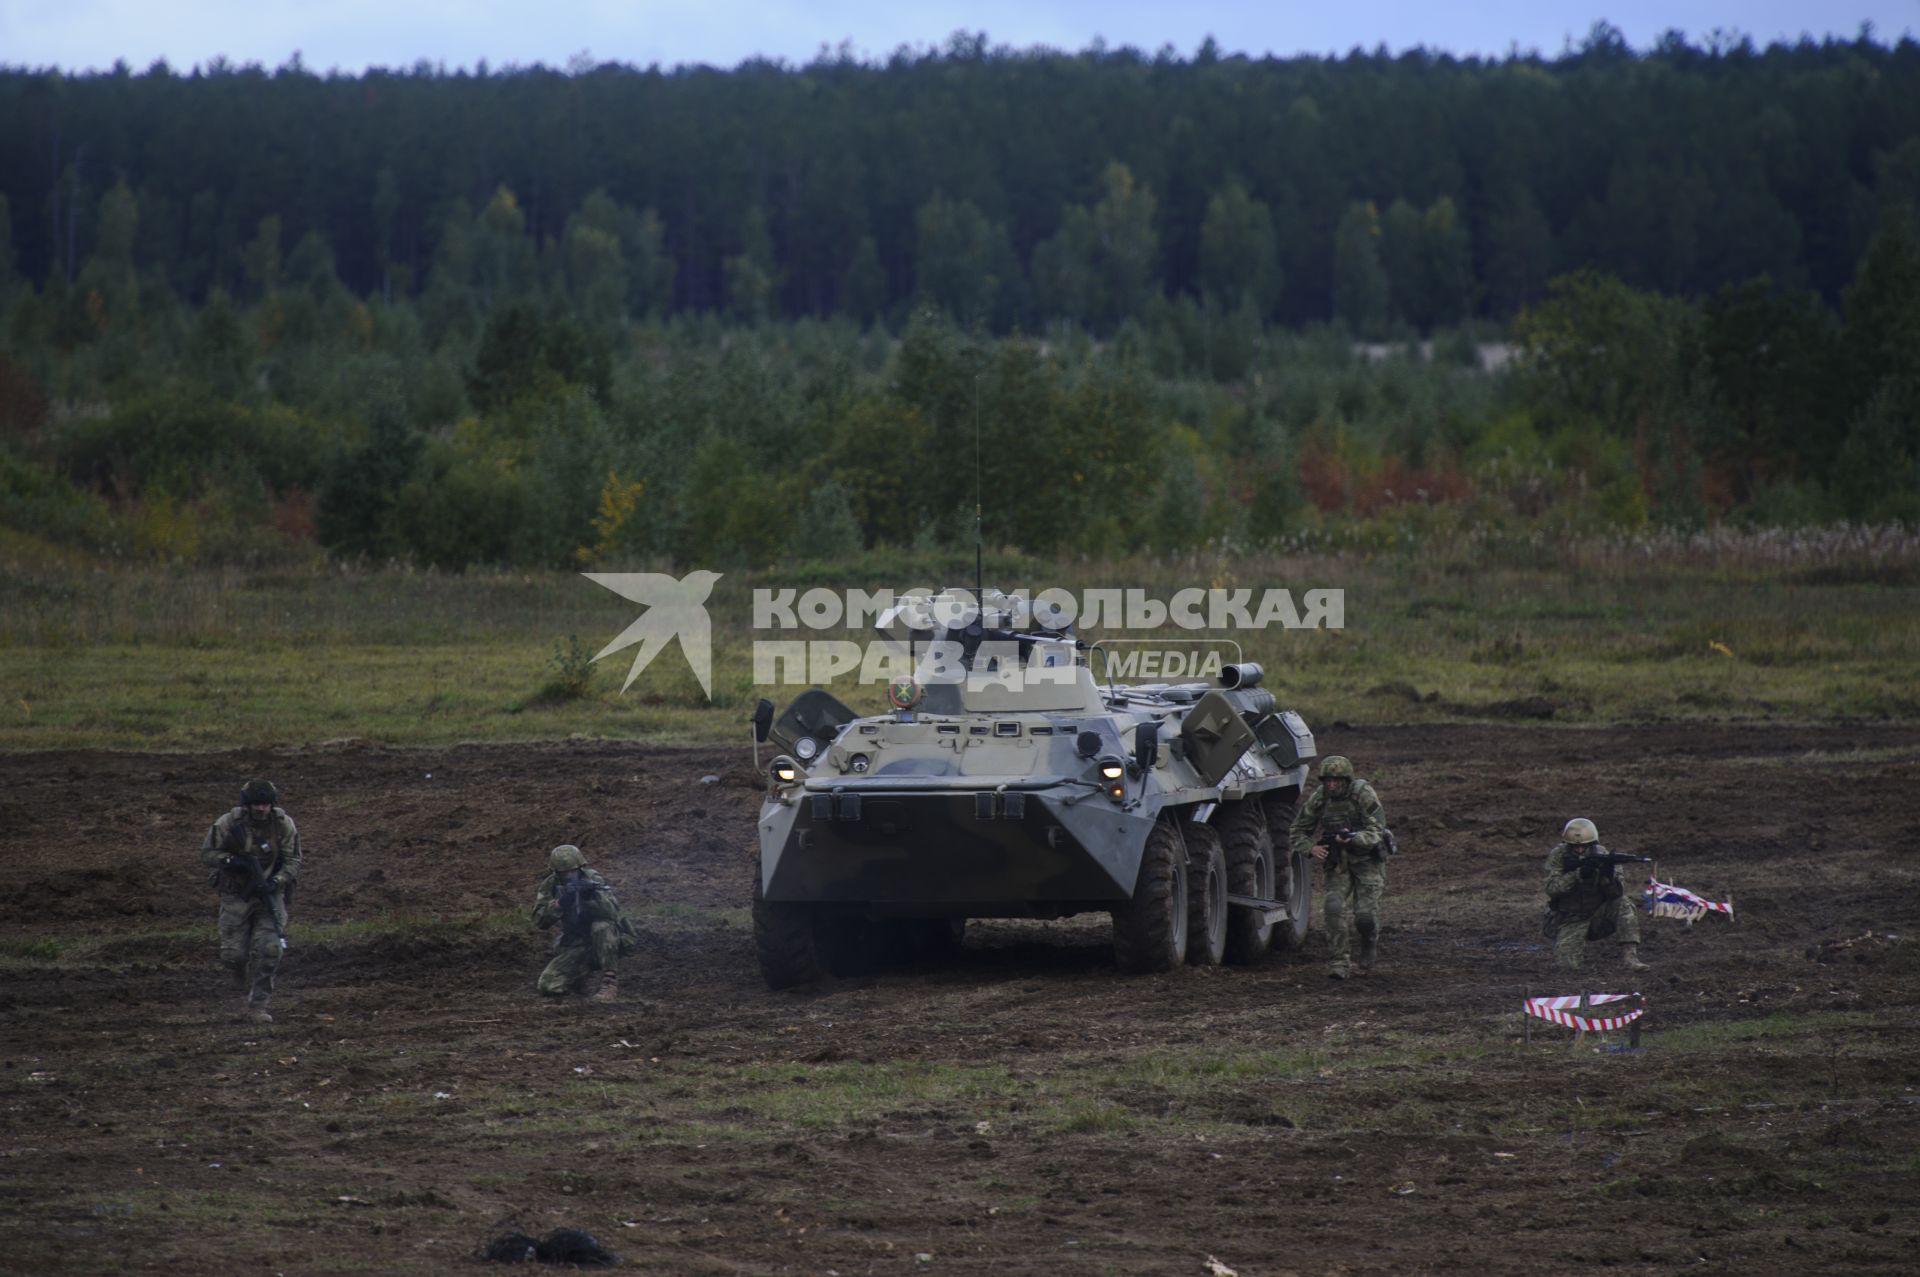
1150,930
783,937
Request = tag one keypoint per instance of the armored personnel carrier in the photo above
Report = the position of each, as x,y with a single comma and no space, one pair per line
1008,782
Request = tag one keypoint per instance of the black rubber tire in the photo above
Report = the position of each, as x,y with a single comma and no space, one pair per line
853,946
1150,930
1206,895
1248,844
783,937
1293,874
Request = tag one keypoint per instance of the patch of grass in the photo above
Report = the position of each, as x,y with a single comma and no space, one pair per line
181,659
1085,1116
42,949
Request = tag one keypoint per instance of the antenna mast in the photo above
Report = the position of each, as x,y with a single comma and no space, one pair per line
979,554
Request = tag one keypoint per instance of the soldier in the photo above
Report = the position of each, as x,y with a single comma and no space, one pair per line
252,855
1343,824
1585,900
594,934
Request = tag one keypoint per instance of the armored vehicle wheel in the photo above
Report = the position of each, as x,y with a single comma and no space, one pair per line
1248,844
783,938
1293,874
1206,895
1150,930
1296,888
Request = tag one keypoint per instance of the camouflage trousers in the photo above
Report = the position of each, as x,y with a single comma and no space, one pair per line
1616,918
249,946
575,962
1354,886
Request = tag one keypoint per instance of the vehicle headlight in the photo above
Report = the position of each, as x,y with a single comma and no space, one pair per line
1112,769
784,771
805,748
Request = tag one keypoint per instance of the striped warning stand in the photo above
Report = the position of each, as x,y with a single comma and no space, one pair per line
1566,1011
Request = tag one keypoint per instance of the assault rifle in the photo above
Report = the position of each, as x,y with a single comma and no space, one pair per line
575,900
262,890
1342,840
1602,862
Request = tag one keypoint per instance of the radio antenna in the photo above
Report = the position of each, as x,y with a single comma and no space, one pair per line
979,553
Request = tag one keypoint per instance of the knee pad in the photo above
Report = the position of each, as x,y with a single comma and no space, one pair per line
1367,925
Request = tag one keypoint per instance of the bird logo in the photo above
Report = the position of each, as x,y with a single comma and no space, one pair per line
675,609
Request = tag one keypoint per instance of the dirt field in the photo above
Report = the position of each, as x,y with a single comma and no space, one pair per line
1021,1109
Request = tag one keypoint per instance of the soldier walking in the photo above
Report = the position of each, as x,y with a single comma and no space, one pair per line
1585,899
1344,826
252,855
594,934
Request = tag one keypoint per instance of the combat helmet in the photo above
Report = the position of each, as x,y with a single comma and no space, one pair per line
258,791
1579,832
565,858
1336,767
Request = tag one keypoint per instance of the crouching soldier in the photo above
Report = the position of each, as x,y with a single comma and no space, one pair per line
1586,899
594,934
252,855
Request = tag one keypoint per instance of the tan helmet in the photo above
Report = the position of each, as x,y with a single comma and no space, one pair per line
565,858
1336,767
1579,832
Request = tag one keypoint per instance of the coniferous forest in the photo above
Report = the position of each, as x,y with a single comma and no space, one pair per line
554,317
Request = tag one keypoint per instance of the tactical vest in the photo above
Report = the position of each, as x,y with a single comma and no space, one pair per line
244,840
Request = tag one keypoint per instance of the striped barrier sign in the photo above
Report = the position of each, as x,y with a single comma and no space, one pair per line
1569,1011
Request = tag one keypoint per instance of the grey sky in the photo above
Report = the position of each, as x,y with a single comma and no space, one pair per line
353,34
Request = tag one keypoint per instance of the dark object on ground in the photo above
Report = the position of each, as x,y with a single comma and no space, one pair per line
561,1246
572,1246
514,1248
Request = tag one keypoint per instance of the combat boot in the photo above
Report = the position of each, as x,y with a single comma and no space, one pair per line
609,988
258,1013
1630,957
1337,972
1369,950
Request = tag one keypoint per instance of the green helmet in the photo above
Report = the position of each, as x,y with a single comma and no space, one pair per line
1335,767
258,791
565,858
1579,832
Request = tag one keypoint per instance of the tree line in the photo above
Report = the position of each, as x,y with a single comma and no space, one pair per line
708,318
1006,187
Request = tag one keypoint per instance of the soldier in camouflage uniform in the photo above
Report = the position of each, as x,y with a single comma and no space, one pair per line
1584,903
1344,826
256,833
594,934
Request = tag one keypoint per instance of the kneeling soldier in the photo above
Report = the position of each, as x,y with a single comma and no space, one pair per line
252,855
594,934
1585,898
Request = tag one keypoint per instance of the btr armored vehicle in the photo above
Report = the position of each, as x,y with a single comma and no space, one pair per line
1009,782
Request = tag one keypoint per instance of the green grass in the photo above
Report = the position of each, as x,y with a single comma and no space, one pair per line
185,660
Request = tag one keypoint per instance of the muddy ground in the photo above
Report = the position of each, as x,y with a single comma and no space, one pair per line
1018,1109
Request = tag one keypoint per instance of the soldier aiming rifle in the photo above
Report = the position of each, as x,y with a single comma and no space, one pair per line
1586,899
594,934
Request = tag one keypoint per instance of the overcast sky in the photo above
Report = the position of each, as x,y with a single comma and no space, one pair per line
353,34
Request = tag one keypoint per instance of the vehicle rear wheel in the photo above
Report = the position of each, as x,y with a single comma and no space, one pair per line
1295,887
1293,874
1206,895
1150,930
783,937
1248,844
